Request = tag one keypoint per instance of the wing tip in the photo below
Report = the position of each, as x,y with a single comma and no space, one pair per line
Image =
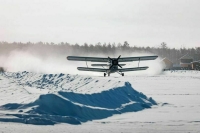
68,57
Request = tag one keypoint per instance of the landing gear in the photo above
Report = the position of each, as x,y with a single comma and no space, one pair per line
104,74
121,73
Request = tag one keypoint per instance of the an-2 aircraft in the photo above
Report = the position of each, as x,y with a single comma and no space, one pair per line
113,64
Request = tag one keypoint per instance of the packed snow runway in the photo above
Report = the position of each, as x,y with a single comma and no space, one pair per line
31,102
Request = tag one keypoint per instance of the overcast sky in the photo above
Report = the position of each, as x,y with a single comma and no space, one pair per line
140,22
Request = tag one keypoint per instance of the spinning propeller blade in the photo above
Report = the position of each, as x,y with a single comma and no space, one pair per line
119,65
118,57
115,60
111,66
110,58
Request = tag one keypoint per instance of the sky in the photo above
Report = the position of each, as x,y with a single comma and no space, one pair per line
139,22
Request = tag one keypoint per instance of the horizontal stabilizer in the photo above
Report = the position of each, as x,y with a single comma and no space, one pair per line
92,69
99,64
133,69
105,64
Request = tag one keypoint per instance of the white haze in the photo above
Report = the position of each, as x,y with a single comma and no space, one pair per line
47,60
140,22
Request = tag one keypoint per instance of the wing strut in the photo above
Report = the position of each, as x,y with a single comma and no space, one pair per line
139,62
103,67
86,63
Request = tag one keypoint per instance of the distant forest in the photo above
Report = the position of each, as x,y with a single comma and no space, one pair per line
106,49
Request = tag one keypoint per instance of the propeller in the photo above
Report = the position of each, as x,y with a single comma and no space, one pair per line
114,62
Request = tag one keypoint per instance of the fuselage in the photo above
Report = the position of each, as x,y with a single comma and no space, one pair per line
113,69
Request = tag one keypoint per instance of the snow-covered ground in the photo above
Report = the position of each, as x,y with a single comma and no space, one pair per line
169,102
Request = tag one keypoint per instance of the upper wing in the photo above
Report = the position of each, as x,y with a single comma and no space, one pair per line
123,59
93,59
92,69
133,69
139,58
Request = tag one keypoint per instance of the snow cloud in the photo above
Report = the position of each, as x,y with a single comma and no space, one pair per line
47,59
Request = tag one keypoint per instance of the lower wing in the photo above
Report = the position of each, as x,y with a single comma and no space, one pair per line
132,69
92,69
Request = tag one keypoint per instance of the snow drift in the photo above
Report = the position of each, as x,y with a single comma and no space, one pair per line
47,99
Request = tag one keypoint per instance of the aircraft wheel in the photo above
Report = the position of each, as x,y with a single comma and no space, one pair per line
104,74
108,74
122,74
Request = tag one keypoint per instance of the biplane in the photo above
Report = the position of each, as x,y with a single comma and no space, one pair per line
111,65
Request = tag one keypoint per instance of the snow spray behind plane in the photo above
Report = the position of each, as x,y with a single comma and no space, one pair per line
52,59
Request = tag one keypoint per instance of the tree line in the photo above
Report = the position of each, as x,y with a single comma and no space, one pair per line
101,49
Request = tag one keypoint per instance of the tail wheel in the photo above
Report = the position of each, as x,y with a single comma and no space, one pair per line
122,74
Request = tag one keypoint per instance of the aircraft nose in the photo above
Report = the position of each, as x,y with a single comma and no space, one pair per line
115,62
